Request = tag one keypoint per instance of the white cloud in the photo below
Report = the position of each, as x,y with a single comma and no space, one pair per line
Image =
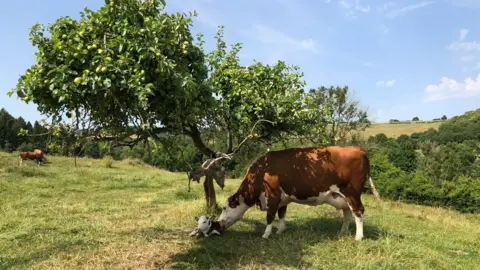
467,58
389,83
352,6
465,46
469,49
281,41
360,8
463,33
345,4
450,88
397,12
386,6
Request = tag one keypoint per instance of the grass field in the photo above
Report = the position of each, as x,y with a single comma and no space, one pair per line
395,130
133,216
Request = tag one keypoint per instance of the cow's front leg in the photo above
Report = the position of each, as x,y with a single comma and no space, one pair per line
270,218
271,211
193,233
347,217
281,219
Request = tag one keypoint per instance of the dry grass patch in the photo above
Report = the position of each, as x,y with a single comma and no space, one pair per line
395,130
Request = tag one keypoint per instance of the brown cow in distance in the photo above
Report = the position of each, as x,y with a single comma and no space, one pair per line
312,176
36,155
40,152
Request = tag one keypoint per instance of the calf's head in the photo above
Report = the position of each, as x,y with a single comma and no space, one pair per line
234,208
204,223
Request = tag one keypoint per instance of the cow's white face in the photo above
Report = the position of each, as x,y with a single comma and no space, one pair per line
233,210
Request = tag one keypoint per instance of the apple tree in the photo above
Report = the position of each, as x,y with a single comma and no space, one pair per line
136,73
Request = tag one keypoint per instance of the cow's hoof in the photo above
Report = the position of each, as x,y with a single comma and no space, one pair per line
265,236
358,238
280,231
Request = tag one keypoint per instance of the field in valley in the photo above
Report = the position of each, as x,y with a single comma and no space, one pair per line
395,130
133,216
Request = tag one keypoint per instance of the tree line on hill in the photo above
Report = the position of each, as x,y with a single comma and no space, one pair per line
416,119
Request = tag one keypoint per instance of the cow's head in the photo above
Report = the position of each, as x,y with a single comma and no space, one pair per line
233,210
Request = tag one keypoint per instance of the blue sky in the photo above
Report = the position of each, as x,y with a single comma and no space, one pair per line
401,58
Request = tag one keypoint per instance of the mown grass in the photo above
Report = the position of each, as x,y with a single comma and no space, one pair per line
395,130
138,217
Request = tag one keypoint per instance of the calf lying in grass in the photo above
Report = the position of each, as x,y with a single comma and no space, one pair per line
206,226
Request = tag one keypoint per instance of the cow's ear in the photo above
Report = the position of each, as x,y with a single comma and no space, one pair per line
212,218
196,218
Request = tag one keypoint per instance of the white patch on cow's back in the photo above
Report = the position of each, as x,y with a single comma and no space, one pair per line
327,197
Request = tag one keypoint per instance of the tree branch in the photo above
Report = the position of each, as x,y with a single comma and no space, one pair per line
194,133
208,163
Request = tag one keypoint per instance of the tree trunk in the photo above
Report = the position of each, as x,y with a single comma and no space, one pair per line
210,196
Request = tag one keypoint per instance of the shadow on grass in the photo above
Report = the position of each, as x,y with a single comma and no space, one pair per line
246,246
27,260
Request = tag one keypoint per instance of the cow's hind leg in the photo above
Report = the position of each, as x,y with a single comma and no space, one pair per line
281,216
358,211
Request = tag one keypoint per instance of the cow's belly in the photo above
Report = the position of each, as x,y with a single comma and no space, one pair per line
333,198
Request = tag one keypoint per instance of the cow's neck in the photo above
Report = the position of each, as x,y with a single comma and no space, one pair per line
251,188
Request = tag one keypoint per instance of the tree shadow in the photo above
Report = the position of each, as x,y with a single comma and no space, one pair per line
27,260
245,245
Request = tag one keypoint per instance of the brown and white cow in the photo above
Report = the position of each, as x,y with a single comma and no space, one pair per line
36,155
312,176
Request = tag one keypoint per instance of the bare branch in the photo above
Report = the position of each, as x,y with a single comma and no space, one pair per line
250,135
37,135
220,156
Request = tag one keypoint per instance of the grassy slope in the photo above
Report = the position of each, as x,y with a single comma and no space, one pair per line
138,217
395,130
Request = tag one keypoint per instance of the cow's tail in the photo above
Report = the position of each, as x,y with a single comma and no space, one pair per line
369,175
